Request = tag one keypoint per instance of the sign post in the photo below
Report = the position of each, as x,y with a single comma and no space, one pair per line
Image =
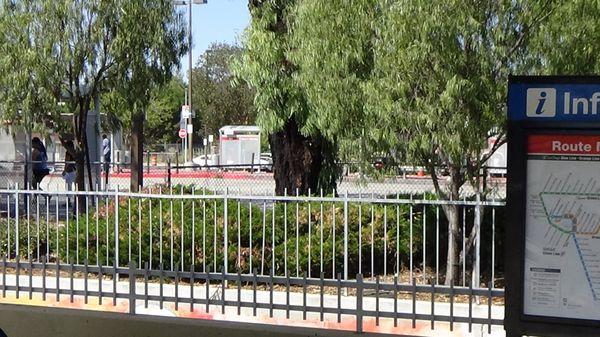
553,272
183,134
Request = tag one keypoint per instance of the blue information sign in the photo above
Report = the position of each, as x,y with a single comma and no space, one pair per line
554,102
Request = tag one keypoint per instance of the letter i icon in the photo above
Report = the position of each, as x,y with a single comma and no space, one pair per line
541,102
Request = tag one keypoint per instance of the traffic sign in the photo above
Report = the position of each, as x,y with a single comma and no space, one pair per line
186,112
182,133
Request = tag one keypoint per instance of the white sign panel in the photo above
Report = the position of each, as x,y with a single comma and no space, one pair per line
185,111
562,243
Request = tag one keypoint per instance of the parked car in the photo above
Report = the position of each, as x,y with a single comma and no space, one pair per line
206,160
266,162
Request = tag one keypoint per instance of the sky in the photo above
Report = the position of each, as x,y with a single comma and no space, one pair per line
216,21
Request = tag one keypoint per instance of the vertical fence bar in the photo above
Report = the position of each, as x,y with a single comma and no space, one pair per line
263,235
273,235
424,240
410,244
345,237
193,232
464,256
254,292
182,245
359,233
171,225
225,235
309,215
372,236
297,233
321,232
117,227
140,232
397,234
437,245
151,233
215,231
204,235
377,300
493,267
192,276
239,237
129,226
385,238
285,235
359,303
8,246
475,276
87,228
47,226
160,229
67,227
251,252
17,237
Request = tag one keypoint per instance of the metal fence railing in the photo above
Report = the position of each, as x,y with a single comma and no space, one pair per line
286,234
296,298
243,179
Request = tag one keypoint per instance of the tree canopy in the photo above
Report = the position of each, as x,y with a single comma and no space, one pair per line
424,81
220,100
72,51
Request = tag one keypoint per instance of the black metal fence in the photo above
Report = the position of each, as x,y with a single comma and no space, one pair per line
250,294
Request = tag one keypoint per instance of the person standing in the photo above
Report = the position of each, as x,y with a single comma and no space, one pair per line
39,158
69,172
106,157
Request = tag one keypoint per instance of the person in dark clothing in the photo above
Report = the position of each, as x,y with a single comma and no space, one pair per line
69,172
39,157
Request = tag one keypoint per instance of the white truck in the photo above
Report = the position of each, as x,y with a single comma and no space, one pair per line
239,145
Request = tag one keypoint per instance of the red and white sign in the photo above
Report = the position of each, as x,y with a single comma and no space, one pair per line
564,144
182,133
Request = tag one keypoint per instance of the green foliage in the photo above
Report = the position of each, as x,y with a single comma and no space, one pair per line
73,51
264,65
218,100
566,43
163,227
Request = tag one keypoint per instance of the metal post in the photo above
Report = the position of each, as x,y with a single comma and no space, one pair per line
346,236
225,234
132,293
169,172
189,119
117,227
476,265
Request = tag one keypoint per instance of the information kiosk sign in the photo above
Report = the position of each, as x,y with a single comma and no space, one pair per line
553,273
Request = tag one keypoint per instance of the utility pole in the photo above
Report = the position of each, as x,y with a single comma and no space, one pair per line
188,120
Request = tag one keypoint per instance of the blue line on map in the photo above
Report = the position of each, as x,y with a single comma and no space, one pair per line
587,275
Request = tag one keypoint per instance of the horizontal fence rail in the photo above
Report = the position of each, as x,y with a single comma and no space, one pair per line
253,294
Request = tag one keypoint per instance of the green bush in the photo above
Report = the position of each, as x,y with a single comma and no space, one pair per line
257,217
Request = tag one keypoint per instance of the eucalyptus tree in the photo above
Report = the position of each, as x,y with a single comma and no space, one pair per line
59,56
303,157
425,79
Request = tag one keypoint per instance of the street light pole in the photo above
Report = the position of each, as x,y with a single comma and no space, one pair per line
188,120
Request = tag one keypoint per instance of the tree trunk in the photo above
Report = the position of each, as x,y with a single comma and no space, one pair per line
137,151
302,163
452,214
452,263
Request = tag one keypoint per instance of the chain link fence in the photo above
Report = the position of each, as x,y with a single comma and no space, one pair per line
248,179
